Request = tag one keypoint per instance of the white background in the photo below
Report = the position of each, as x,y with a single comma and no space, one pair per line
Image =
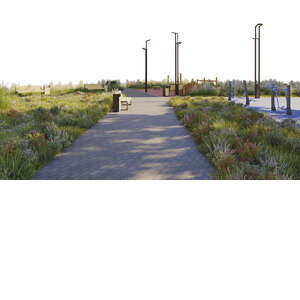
149,240
62,40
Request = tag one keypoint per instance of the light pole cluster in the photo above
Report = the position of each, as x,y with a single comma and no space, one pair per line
177,43
257,60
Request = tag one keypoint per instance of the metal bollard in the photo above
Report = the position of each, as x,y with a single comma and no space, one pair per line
288,101
229,95
116,102
246,92
273,99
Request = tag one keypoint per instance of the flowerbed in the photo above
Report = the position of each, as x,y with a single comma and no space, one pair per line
240,143
35,129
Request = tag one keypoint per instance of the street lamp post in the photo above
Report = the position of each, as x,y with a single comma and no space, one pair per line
146,65
257,84
176,61
258,92
177,83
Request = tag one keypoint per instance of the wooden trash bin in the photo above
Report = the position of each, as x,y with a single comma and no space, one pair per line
166,91
116,102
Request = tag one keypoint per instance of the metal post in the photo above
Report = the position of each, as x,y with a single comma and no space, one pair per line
146,66
176,63
255,63
229,95
246,93
288,101
146,71
176,38
273,108
175,78
234,95
258,87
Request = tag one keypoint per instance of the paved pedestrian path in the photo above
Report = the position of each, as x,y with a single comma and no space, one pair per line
136,93
145,142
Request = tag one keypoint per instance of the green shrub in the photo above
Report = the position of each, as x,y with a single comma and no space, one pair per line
55,110
205,91
85,122
4,100
15,164
294,144
275,139
289,124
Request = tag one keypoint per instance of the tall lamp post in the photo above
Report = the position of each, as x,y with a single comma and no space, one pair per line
257,72
177,83
146,65
177,43
175,78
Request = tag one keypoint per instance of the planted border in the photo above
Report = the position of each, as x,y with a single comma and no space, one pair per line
34,129
240,143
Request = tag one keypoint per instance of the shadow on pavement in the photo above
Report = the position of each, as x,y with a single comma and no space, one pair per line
130,146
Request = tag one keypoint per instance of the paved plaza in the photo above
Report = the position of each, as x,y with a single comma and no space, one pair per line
264,105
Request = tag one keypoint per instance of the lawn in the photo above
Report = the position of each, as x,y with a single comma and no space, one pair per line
240,143
33,129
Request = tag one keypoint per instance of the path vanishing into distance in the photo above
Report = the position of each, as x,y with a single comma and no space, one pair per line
145,142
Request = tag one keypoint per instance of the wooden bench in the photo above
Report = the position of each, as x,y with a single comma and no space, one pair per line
34,89
94,87
28,90
125,101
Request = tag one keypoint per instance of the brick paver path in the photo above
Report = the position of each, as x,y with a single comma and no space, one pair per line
146,142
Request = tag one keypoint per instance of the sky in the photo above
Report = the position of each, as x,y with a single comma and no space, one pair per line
63,41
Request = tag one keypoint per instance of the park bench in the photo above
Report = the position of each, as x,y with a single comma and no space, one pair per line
34,89
95,87
125,101
120,101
